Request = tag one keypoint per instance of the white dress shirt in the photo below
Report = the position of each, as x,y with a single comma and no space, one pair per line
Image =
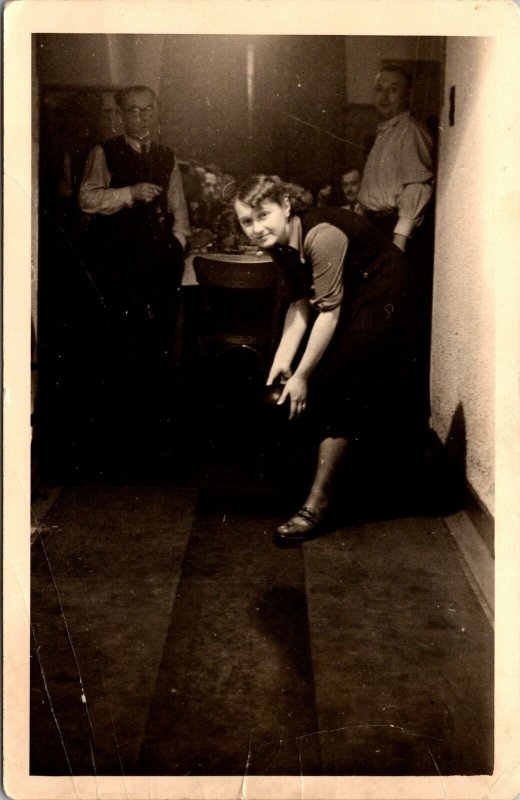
398,173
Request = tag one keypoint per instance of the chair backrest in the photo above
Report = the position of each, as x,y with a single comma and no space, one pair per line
241,300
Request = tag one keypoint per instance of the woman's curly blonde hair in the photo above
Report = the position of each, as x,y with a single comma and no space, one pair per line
259,188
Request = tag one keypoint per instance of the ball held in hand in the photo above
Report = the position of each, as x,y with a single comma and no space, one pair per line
272,394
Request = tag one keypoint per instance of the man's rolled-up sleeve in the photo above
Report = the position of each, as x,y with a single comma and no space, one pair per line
417,178
95,194
411,204
178,206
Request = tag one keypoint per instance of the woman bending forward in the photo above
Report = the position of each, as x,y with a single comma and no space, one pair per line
351,298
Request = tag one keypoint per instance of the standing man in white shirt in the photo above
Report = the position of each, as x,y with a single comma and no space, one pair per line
132,190
397,182
397,188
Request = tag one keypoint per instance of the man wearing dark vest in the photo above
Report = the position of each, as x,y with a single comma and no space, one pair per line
132,190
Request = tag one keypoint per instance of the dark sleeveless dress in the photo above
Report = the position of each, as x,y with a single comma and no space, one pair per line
367,383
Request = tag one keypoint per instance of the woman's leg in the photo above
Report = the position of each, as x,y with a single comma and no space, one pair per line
331,454
308,522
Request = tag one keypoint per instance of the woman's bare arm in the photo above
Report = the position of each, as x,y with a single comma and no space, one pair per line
295,325
319,339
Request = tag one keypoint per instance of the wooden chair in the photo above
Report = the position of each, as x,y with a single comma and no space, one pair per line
241,321
241,302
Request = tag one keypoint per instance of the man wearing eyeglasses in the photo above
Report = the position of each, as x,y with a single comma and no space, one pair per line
133,169
132,191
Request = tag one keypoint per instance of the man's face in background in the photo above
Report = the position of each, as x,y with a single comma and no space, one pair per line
350,182
210,186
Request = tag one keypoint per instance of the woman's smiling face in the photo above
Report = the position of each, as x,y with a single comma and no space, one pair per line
266,225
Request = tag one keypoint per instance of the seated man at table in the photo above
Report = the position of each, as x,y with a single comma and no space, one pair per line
133,192
211,202
350,183
343,193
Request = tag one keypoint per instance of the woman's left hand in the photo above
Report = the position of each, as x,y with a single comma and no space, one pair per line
296,390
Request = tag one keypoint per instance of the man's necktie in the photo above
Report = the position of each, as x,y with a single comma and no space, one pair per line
145,159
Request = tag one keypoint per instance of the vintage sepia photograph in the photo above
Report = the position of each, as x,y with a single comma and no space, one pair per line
262,506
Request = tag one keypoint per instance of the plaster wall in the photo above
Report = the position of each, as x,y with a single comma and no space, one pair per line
364,54
467,262
97,60
94,60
